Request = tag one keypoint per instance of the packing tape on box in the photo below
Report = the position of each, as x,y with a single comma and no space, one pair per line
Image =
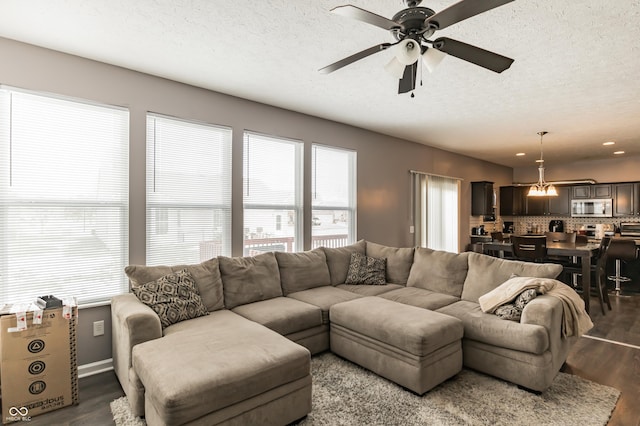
20,310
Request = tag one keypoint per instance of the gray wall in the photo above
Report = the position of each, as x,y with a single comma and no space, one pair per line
383,162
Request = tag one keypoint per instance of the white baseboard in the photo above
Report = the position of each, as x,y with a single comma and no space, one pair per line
95,368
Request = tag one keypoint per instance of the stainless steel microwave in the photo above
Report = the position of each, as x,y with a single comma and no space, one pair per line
592,208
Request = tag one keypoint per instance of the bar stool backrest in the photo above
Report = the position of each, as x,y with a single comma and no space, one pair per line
621,249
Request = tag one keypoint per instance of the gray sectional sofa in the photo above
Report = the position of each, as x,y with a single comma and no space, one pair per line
247,361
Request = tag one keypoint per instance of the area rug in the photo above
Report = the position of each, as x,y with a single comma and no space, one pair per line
345,394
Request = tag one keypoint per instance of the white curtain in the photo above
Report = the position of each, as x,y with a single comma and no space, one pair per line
435,210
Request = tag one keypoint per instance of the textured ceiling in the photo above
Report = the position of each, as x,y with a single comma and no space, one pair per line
576,72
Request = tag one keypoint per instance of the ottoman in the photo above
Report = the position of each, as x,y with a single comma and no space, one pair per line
223,369
413,347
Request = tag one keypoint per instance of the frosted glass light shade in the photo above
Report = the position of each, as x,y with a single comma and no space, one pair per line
408,51
395,68
432,57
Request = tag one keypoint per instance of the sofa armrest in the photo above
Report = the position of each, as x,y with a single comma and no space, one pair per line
544,310
547,311
132,322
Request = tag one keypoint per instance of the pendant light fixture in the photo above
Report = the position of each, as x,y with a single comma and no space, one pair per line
542,188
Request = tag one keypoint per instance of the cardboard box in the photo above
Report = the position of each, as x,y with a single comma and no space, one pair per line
38,366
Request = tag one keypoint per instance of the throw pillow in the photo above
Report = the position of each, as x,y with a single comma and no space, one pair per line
508,312
366,270
399,261
174,297
513,311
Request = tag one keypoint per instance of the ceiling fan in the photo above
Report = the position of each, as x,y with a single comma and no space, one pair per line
412,28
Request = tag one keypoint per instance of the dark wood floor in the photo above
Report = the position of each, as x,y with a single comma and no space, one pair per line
603,362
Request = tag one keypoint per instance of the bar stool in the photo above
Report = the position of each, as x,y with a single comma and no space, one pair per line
620,250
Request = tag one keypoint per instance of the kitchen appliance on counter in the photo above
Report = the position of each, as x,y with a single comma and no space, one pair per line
597,231
507,227
478,230
556,226
592,208
630,229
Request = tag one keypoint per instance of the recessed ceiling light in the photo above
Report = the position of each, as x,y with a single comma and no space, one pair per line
618,152
520,154
609,143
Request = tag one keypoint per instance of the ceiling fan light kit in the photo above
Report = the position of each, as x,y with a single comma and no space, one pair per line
412,28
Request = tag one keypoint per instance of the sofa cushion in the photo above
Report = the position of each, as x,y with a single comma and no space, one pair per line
420,297
205,274
283,315
438,271
302,271
324,298
489,329
369,290
338,260
173,297
366,270
399,261
486,273
249,279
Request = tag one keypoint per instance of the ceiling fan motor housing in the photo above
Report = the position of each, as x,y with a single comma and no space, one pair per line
412,22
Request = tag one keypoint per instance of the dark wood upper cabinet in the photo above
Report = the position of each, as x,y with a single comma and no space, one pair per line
515,202
512,200
626,200
592,191
560,205
482,198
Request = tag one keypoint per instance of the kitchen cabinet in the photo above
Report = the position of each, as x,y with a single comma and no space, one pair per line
626,199
592,191
560,205
515,202
482,199
512,200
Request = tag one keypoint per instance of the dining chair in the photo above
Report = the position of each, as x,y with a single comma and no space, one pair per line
529,248
562,237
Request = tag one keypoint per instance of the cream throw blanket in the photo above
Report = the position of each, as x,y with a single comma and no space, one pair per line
575,320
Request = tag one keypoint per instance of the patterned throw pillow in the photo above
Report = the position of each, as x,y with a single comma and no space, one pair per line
173,297
508,312
513,311
366,270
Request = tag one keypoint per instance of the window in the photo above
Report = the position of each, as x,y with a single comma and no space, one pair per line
333,198
188,191
435,211
272,194
63,198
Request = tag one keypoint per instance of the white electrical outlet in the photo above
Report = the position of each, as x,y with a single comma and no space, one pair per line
98,328
412,229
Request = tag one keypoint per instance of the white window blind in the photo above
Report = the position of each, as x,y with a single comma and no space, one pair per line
188,191
333,199
272,194
63,198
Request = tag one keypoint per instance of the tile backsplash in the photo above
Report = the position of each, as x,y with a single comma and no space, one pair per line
540,224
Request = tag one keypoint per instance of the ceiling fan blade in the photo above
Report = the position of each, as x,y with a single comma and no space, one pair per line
475,55
366,16
461,11
355,57
408,80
